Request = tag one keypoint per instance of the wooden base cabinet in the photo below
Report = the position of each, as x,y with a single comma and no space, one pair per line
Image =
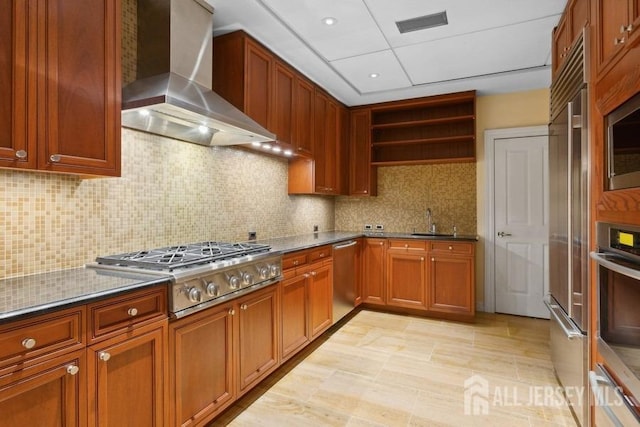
258,350
320,298
406,279
52,393
202,364
294,313
451,285
373,271
128,375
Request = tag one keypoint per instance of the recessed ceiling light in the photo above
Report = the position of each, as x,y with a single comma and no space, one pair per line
329,21
374,75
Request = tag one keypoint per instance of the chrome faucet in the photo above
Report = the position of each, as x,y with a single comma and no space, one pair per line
430,223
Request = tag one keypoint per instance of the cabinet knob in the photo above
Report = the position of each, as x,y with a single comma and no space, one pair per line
406,246
626,29
421,258
433,260
21,154
72,369
295,262
28,343
132,312
450,248
244,307
381,243
104,356
313,273
306,275
55,158
232,312
365,191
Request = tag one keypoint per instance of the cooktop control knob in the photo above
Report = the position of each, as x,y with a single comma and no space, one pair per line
195,295
213,290
264,272
234,282
274,270
247,278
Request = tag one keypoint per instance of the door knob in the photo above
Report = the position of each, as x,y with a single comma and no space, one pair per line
503,234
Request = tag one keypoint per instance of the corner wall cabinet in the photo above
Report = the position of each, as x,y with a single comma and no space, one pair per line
575,17
60,86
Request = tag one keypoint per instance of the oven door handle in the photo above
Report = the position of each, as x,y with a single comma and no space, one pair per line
569,329
600,399
614,266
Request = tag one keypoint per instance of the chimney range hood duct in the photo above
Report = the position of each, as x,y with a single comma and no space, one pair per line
172,95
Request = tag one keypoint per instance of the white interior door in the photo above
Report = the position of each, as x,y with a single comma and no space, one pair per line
521,221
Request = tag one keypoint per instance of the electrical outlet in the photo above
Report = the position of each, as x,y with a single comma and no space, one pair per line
379,227
253,235
315,228
368,227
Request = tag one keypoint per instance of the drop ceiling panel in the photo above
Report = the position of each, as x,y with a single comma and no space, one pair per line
357,70
464,16
355,33
487,52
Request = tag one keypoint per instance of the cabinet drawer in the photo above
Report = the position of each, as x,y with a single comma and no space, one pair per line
46,335
320,253
420,245
295,259
452,247
115,315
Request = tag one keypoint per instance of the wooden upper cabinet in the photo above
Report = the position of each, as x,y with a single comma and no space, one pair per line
574,19
561,44
362,176
326,144
258,83
61,75
617,23
282,121
303,117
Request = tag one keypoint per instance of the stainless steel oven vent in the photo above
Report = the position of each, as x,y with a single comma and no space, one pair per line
423,22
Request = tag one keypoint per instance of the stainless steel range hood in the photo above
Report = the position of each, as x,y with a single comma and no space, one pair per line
172,95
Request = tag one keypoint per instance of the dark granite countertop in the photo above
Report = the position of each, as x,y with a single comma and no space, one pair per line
38,293
312,240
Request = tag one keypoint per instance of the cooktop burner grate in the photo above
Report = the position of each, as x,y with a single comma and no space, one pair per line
173,257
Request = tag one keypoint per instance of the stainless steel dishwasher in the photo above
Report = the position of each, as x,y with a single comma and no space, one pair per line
344,278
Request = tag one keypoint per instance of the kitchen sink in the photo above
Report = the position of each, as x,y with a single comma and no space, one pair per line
432,235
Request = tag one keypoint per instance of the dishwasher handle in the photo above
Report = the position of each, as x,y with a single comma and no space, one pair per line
345,245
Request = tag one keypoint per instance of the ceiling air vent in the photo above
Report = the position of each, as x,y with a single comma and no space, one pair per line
423,22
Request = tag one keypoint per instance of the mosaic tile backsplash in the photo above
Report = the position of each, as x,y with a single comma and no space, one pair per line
170,192
405,193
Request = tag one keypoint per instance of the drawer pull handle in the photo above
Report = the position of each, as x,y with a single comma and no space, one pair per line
244,307
295,262
21,154
55,158
104,356
132,312
72,369
232,312
322,255
28,343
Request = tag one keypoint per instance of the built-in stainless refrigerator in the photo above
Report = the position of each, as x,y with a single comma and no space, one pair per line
569,230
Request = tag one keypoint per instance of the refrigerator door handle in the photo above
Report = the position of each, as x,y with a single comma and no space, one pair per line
569,329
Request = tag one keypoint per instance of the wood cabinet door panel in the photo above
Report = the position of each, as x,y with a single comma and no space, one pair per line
361,175
303,117
129,377
80,109
17,84
201,363
611,15
257,337
406,279
257,83
320,299
294,308
283,93
451,285
560,43
373,274
47,394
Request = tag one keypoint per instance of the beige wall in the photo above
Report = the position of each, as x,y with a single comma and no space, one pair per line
170,192
519,109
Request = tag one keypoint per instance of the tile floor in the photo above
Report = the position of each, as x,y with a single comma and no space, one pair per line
384,369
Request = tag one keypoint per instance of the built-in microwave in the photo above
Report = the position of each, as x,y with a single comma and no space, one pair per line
623,145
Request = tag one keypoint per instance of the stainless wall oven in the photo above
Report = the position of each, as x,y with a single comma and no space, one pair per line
618,335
